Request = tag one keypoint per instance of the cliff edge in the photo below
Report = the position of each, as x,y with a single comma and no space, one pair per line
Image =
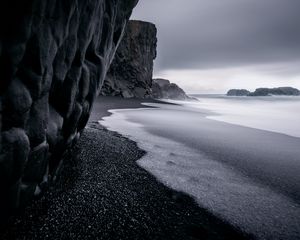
130,74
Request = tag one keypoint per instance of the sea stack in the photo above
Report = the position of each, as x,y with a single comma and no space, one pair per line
164,89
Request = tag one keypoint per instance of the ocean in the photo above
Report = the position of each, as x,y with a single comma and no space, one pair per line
273,113
238,157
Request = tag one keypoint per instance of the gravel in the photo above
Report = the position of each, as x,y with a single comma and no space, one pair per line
103,194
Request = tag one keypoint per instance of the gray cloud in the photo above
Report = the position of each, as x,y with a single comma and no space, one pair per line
204,34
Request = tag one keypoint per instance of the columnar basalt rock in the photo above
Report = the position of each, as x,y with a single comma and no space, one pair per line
130,74
54,55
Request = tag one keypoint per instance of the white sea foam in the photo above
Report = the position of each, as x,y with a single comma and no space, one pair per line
227,193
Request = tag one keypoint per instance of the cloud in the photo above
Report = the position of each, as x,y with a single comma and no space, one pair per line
219,80
208,34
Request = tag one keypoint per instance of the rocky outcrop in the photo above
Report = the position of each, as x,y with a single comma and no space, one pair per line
238,92
288,91
130,74
54,55
162,88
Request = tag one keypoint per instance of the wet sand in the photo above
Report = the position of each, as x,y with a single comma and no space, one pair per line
269,157
247,176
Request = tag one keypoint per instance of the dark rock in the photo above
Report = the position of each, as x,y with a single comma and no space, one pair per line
238,92
54,55
13,197
36,124
16,103
84,116
162,88
71,123
288,91
130,74
54,128
37,164
27,190
14,150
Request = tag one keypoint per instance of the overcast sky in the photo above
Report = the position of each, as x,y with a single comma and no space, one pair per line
213,45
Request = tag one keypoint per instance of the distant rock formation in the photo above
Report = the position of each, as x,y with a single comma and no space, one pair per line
130,74
287,91
162,88
54,55
238,92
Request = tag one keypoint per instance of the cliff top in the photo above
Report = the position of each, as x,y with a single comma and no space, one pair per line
140,22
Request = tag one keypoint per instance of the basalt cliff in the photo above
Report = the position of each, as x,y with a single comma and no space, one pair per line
54,55
130,74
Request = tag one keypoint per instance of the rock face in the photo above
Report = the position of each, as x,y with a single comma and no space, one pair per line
238,92
130,74
288,91
162,88
54,55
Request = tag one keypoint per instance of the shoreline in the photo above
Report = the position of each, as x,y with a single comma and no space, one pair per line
258,181
103,193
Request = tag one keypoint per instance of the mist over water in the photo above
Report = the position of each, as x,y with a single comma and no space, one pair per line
275,113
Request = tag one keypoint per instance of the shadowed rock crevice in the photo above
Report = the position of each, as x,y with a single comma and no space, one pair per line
53,59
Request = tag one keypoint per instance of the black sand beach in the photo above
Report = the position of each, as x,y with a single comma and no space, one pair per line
104,194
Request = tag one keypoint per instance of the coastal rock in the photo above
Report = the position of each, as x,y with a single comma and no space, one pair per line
54,56
238,92
288,91
163,88
130,74
14,153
